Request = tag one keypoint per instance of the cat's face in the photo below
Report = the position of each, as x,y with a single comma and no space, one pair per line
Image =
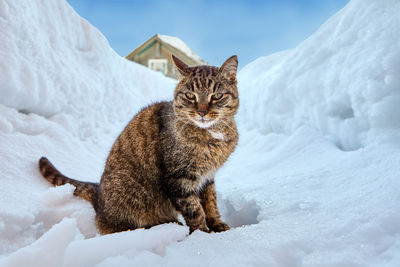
206,95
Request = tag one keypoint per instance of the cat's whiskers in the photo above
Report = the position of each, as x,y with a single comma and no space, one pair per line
181,119
170,115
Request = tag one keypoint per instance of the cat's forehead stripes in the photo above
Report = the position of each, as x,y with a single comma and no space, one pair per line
204,71
203,78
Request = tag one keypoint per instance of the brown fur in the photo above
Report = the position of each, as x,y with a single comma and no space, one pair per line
164,161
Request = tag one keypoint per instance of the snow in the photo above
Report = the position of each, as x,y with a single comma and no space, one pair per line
179,44
59,65
313,181
353,103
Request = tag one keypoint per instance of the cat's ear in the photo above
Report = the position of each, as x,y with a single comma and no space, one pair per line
229,68
180,65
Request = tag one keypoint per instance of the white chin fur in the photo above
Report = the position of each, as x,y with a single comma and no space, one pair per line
204,124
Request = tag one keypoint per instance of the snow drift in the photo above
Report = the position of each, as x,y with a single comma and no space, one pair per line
313,182
344,80
54,62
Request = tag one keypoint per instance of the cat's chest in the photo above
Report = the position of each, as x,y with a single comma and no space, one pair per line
212,152
203,151
216,135
219,144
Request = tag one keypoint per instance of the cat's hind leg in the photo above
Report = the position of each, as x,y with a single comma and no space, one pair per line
107,226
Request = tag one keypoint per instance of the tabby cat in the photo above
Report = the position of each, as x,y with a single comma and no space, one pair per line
164,161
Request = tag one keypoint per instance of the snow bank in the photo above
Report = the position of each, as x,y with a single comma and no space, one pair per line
43,252
53,62
343,81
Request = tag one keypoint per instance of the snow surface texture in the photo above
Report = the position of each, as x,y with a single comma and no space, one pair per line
313,182
343,81
178,43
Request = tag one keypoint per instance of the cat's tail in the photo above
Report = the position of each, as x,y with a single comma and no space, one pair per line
85,190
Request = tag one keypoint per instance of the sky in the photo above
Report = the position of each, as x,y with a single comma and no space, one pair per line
215,30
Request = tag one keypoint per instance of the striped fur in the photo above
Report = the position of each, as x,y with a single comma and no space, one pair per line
85,190
164,161
209,203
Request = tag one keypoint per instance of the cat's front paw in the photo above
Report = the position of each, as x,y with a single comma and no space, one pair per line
217,225
203,229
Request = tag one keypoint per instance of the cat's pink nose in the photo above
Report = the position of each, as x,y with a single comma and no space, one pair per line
202,112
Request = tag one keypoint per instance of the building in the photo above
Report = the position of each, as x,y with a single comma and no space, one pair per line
156,52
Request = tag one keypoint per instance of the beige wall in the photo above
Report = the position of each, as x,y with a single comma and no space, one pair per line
166,51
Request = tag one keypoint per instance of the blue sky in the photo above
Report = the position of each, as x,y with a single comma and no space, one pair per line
215,30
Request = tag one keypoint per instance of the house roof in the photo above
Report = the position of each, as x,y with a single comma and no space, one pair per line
174,42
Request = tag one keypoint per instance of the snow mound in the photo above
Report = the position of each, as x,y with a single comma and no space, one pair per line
53,62
343,81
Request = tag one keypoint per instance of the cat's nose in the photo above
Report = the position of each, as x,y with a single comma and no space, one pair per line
202,112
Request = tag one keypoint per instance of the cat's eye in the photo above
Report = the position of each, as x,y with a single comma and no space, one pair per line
216,96
190,95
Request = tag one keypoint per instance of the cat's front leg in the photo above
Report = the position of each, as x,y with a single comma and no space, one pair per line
209,203
193,213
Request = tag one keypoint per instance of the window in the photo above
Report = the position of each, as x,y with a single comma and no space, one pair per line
160,64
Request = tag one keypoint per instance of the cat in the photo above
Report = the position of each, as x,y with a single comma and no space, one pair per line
164,161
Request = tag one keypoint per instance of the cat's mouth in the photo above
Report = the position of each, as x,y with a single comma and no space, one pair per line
203,122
